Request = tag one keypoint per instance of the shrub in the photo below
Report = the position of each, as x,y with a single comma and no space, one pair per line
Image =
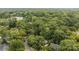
16,45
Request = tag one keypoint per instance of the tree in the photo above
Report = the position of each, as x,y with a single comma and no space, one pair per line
16,34
36,41
37,27
4,34
58,35
12,23
76,46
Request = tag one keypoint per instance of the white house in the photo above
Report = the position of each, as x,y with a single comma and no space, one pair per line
17,18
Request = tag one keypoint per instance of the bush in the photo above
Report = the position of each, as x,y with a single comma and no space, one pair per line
67,45
16,45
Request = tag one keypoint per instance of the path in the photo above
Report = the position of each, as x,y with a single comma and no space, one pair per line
27,48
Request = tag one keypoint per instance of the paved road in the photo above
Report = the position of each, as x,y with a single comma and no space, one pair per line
3,47
27,48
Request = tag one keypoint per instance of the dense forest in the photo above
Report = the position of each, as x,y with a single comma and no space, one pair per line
39,30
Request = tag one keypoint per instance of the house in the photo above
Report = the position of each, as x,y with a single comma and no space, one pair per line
17,17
